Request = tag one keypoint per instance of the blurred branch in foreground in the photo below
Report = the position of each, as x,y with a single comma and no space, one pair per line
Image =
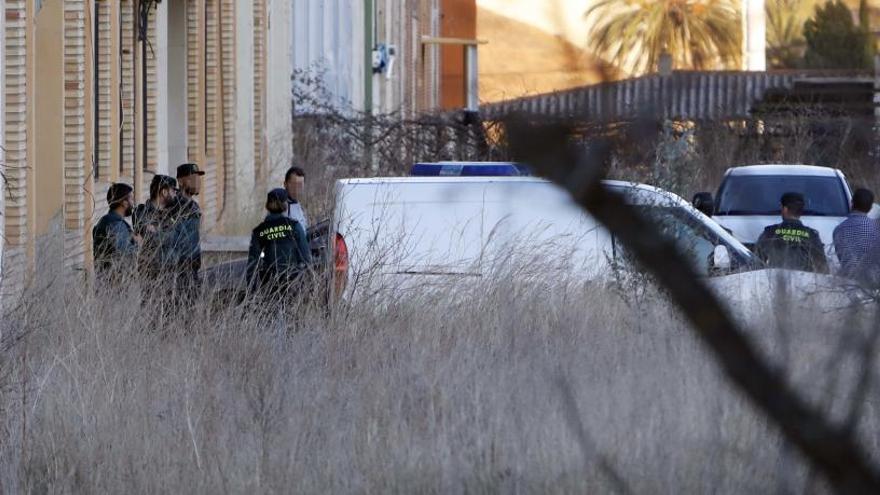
833,451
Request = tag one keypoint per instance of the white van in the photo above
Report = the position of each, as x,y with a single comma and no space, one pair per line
398,233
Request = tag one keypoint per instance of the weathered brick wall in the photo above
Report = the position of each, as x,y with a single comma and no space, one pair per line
100,135
259,44
103,91
213,151
152,163
127,85
15,214
76,159
228,72
195,79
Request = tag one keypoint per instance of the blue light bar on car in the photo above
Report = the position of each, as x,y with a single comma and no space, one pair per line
469,169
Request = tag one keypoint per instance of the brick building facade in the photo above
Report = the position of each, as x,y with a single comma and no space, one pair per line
111,99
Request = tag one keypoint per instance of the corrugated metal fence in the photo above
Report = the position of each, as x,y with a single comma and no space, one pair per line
679,95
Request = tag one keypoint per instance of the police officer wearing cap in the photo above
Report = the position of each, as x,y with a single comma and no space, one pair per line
791,244
148,217
113,243
189,218
278,251
154,222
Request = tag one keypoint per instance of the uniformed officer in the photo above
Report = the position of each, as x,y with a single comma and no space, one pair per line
791,244
113,244
189,217
278,251
155,222
148,216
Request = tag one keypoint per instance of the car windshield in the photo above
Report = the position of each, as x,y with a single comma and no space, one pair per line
694,239
650,203
760,195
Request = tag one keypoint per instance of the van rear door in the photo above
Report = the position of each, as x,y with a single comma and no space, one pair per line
403,227
534,223
442,225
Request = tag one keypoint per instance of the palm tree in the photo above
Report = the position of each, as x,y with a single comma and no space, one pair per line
698,34
785,31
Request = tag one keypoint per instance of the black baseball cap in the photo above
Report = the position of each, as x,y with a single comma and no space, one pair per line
792,199
188,169
118,192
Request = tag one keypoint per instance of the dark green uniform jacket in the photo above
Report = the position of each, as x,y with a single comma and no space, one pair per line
792,245
278,251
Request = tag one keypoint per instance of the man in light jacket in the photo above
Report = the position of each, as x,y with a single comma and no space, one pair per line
294,183
189,218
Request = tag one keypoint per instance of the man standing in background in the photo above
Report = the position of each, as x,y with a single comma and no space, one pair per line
857,241
294,183
154,222
113,243
189,216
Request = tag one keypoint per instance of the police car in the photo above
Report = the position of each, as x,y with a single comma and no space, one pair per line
457,221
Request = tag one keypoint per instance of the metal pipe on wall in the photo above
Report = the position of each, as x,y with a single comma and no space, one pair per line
472,87
145,131
368,56
96,42
138,87
369,40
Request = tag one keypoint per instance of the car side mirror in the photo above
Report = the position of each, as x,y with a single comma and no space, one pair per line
721,259
704,203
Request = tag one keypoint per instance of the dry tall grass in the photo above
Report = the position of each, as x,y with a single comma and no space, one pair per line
499,387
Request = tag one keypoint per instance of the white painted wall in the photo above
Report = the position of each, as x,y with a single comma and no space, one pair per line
327,36
244,128
356,56
171,110
278,90
754,35
176,131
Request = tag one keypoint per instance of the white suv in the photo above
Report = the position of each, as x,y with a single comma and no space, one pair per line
748,199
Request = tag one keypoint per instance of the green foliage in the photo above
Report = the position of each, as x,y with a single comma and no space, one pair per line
864,15
834,41
785,31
